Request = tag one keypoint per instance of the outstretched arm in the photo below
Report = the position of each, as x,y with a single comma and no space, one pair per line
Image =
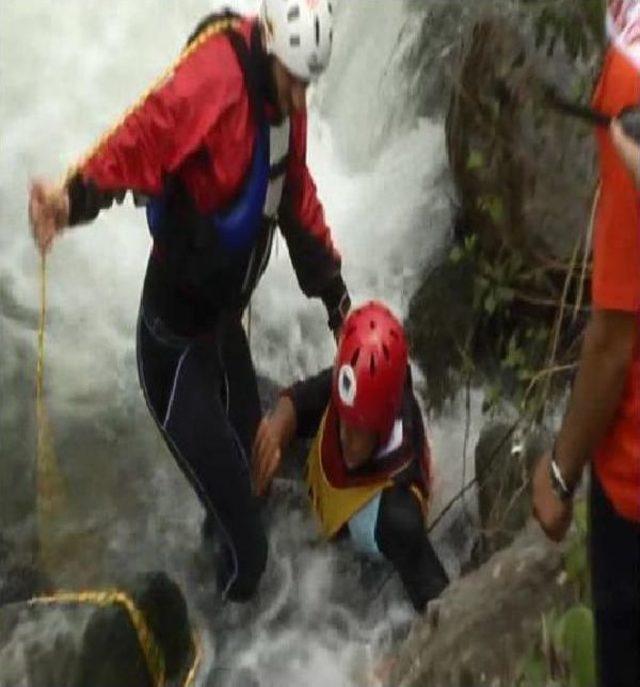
169,124
315,259
298,412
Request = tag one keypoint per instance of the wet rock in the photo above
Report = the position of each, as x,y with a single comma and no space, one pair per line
79,644
504,459
484,622
525,178
525,174
20,575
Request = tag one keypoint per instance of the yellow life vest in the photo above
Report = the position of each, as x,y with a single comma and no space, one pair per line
335,505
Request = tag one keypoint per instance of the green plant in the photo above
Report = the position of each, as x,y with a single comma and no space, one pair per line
577,24
564,654
507,330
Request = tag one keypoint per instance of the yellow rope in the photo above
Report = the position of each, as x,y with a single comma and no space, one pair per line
152,653
216,27
41,326
197,658
51,490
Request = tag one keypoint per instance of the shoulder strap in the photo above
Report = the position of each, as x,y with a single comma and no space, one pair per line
208,21
248,55
248,59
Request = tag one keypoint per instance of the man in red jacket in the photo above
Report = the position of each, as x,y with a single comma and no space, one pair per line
217,152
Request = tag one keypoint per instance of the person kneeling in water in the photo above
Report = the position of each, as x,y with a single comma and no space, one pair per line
368,470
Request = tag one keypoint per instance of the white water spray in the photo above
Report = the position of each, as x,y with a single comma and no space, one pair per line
67,72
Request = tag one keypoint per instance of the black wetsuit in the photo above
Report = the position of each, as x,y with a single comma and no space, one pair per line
400,532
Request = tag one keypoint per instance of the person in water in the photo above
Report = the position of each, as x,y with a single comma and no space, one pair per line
217,152
369,467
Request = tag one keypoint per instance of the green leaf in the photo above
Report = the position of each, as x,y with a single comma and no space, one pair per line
494,206
533,671
492,398
456,255
496,210
470,243
580,516
576,562
578,645
475,160
490,303
525,375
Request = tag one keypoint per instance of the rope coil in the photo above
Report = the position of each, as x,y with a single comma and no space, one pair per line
154,657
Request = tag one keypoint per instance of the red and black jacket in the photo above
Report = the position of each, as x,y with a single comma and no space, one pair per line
196,131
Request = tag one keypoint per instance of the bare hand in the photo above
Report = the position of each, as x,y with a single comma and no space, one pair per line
267,455
553,514
627,149
48,212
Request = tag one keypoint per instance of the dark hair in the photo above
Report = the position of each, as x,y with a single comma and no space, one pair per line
210,19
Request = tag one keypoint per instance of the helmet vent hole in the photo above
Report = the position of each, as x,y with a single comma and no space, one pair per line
394,334
372,365
372,324
330,8
385,350
354,357
317,31
293,13
294,41
331,36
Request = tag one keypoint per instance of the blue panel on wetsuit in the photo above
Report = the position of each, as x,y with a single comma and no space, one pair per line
362,528
238,225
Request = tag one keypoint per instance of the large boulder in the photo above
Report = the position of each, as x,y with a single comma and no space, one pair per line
482,625
81,644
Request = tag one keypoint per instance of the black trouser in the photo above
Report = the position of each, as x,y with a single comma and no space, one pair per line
402,538
203,395
615,571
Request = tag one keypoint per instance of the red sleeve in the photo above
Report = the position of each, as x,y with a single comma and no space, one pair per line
170,123
616,275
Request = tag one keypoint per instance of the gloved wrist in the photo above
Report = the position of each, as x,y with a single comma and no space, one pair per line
337,302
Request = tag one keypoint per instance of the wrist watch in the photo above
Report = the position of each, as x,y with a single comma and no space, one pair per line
562,490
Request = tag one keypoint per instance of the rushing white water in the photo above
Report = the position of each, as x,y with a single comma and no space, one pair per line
67,71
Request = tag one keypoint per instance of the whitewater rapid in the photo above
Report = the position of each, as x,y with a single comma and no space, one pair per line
67,71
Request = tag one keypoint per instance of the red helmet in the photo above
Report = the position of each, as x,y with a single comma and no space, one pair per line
370,369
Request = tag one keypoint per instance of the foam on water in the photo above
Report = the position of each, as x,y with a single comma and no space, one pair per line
68,70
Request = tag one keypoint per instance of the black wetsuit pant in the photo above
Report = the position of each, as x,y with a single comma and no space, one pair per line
402,538
615,573
203,395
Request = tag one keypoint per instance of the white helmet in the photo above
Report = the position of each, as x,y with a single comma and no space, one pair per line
299,33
